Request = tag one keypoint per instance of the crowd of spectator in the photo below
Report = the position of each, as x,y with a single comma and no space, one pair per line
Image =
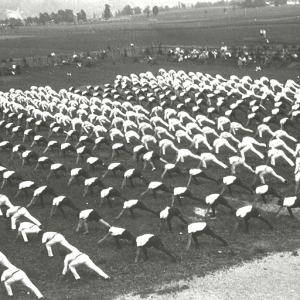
259,56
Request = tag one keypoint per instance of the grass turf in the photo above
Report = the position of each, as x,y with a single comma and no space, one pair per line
143,276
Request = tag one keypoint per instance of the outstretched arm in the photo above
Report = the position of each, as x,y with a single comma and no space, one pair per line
189,242
120,214
104,223
138,251
104,238
279,212
162,223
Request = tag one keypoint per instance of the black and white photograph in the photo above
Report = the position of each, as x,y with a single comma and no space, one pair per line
149,149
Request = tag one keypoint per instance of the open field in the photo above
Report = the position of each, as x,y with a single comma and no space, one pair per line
128,277
239,27
141,277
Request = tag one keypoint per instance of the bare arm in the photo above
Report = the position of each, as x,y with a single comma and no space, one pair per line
104,238
138,251
120,214
189,242
104,223
279,212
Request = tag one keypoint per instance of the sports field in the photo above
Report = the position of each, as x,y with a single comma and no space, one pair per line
193,28
235,27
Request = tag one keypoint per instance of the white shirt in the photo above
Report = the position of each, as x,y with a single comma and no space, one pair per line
179,190
128,173
26,153
53,236
242,212
90,181
55,166
75,171
64,146
137,148
29,227
154,184
85,213
7,174
164,213
211,198
147,156
39,190
105,192
289,201
58,199
43,158
169,166
115,231
92,160
25,184
194,227
143,239
117,145
130,203
113,165
195,171
229,180
80,150
262,189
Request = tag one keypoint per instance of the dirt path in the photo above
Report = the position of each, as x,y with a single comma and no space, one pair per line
274,277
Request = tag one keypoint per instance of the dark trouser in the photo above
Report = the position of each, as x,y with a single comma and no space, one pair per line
138,176
93,216
255,214
220,201
175,170
270,192
66,202
187,194
238,182
141,206
171,216
207,231
203,175
156,243
126,235
161,188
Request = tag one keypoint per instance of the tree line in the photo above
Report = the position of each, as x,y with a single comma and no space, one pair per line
68,16
130,11
62,16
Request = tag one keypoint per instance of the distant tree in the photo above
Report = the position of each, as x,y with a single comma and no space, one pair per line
69,16
42,19
167,8
54,18
47,17
183,6
147,11
36,20
107,12
83,15
155,10
61,16
127,11
137,10
28,20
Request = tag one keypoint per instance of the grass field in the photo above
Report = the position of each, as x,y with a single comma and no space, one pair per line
142,277
191,27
